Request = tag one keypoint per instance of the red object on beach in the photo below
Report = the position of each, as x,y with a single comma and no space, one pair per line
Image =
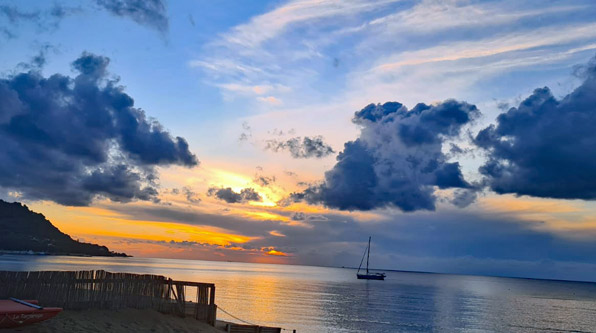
15,313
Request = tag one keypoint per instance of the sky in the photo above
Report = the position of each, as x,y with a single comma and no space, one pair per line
460,135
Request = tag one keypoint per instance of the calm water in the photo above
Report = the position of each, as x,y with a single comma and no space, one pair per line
318,299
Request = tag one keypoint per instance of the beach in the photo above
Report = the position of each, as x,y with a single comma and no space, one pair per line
116,321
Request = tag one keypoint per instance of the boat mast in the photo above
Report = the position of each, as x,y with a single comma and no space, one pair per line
368,256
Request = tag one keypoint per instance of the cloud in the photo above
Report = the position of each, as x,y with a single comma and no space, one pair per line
443,243
264,51
490,48
425,241
463,197
47,19
59,11
194,216
299,147
272,24
300,216
270,100
293,44
273,252
242,251
38,61
431,15
264,180
228,195
14,15
150,13
190,195
544,147
397,160
455,150
71,139
246,132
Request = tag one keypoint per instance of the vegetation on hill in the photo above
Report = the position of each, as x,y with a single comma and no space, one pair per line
24,230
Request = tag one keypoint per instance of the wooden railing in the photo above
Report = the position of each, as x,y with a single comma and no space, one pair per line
105,290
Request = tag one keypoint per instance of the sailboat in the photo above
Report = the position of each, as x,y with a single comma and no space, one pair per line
368,275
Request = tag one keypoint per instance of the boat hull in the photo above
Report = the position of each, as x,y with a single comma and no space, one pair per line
13,314
370,276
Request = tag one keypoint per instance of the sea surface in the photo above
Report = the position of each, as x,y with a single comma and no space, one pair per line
323,299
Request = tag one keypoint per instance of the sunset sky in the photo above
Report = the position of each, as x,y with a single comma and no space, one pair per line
460,135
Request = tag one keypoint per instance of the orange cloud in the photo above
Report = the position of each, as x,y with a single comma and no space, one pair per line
508,203
270,100
277,253
99,222
569,218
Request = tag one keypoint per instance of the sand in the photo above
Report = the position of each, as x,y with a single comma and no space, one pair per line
121,321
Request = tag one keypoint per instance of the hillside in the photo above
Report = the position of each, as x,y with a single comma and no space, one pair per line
24,230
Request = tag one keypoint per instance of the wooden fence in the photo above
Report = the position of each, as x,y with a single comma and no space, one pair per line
105,290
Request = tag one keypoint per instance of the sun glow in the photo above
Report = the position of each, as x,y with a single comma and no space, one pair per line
267,216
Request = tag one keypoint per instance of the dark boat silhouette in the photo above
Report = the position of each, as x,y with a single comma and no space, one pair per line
368,275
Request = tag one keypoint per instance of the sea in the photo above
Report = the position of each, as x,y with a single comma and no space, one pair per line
326,299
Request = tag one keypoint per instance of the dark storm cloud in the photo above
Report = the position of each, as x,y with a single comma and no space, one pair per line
464,197
397,160
151,13
119,183
375,112
70,139
545,147
302,147
228,195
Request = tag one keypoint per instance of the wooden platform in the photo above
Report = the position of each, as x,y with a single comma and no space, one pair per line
237,328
